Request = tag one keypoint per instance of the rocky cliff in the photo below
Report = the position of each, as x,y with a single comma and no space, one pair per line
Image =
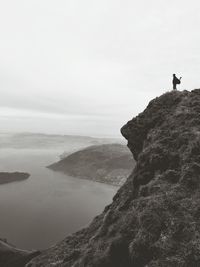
108,163
154,219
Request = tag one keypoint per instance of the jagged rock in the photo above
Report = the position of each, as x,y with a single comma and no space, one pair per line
154,219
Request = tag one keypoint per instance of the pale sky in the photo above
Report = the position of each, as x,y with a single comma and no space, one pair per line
87,67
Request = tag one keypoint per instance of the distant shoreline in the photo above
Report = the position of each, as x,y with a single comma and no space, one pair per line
9,177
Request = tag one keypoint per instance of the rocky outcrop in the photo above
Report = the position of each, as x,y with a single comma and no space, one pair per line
13,257
9,177
108,163
154,219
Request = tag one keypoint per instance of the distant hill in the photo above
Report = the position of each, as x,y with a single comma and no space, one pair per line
108,163
51,141
8,177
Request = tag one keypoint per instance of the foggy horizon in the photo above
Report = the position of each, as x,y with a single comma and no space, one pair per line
112,137
70,67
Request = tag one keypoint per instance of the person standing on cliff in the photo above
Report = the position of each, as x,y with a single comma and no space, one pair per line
175,81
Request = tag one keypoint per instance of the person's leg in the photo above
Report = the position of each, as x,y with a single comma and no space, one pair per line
174,86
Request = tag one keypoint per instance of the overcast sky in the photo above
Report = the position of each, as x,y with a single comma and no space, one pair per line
87,67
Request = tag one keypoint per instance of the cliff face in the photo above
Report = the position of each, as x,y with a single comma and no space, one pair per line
154,219
108,163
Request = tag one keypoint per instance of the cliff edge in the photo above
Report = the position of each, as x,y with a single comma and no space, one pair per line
154,219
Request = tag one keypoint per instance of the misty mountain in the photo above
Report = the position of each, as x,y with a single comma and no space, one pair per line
50,141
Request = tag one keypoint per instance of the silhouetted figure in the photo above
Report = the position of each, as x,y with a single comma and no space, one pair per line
175,81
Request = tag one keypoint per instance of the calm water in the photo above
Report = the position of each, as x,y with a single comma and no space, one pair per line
36,213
